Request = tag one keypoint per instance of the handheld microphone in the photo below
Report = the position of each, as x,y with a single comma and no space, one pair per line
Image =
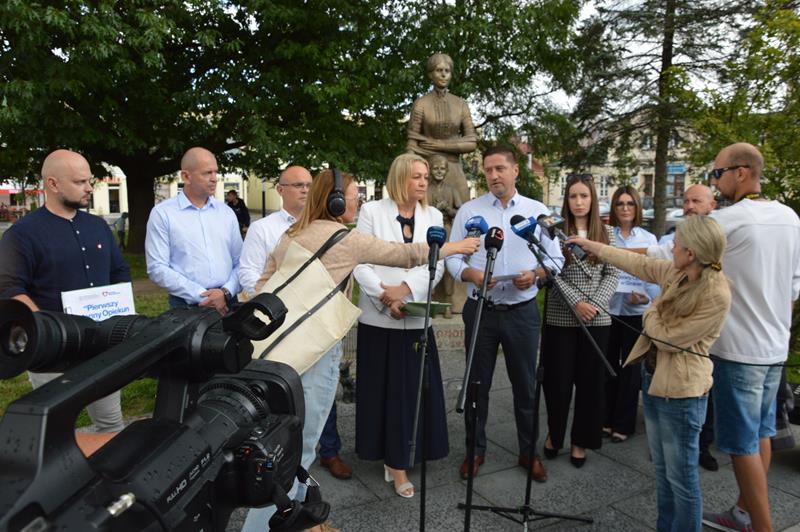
436,237
550,222
524,227
476,226
493,241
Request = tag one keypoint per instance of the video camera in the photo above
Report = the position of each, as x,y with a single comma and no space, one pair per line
226,431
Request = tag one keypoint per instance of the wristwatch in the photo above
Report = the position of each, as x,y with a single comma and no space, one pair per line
226,292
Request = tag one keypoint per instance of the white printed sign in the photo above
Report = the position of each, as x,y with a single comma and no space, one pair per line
628,283
99,303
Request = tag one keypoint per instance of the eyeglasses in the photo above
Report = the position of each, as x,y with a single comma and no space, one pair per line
716,173
296,186
623,204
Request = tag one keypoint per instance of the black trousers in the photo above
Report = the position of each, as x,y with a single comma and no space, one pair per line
622,391
517,331
570,362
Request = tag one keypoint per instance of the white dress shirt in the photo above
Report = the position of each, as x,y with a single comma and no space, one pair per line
261,238
514,256
190,250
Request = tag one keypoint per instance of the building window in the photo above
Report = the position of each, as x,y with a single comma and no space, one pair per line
647,142
603,192
563,184
675,184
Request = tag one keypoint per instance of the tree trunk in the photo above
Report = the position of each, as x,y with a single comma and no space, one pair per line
664,120
141,198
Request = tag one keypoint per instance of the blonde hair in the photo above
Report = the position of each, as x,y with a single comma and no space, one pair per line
399,173
706,239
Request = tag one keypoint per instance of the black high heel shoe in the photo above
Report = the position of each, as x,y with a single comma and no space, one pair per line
577,462
548,452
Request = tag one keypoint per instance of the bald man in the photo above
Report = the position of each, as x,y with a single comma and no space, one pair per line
697,199
193,241
264,234
59,248
762,262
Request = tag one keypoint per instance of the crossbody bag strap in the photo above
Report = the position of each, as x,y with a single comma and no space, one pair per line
334,238
338,288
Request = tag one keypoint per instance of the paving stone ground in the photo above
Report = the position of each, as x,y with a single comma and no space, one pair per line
616,487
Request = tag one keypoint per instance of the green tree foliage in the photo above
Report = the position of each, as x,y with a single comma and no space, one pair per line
757,100
134,83
639,62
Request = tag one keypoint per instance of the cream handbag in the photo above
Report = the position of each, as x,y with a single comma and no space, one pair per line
319,314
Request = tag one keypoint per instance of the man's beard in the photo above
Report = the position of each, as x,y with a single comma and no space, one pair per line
70,204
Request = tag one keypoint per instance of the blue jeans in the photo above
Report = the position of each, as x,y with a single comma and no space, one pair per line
319,390
673,430
329,441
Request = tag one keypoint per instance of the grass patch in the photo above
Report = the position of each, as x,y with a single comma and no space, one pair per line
793,374
137,264
151,304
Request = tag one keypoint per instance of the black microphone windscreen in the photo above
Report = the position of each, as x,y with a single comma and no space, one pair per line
436,235
517,218
494,238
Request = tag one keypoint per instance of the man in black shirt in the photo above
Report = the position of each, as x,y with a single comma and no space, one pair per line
240,209
59,248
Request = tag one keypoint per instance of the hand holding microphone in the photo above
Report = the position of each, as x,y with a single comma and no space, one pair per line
550,223
493,242
436,237
589,246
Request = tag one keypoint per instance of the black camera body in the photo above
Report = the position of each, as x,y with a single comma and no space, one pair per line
226,431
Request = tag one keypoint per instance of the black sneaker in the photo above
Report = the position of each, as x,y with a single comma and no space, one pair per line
707,461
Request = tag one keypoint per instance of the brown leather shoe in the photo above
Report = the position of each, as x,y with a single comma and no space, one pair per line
537,468
464,469
337,467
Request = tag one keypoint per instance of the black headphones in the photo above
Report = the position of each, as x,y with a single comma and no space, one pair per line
336,203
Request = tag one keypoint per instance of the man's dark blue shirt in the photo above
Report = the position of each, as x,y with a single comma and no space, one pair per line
43,255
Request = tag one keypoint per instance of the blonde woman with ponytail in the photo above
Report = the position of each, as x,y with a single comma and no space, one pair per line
679,329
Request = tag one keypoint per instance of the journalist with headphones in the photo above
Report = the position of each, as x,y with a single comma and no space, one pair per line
332,202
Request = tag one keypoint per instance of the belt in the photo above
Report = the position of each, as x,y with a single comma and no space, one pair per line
502,307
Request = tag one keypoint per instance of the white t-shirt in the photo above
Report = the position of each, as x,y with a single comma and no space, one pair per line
762,262
261,238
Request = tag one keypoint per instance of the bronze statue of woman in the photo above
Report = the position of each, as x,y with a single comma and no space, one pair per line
441,124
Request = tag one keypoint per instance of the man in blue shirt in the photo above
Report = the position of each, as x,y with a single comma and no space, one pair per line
511,319
193,241
59,248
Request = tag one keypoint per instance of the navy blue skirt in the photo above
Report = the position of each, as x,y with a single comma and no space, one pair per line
386,393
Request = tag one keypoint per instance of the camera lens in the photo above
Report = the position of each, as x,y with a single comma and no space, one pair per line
17,340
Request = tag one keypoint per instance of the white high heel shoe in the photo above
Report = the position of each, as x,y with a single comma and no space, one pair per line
400,490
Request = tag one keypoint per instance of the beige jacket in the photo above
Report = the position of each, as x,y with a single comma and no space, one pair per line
354,249
678,374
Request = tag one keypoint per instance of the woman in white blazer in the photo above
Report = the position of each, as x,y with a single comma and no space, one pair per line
387,361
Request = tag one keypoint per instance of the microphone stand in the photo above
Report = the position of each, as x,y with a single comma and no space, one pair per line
526,510
466,384
423,389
